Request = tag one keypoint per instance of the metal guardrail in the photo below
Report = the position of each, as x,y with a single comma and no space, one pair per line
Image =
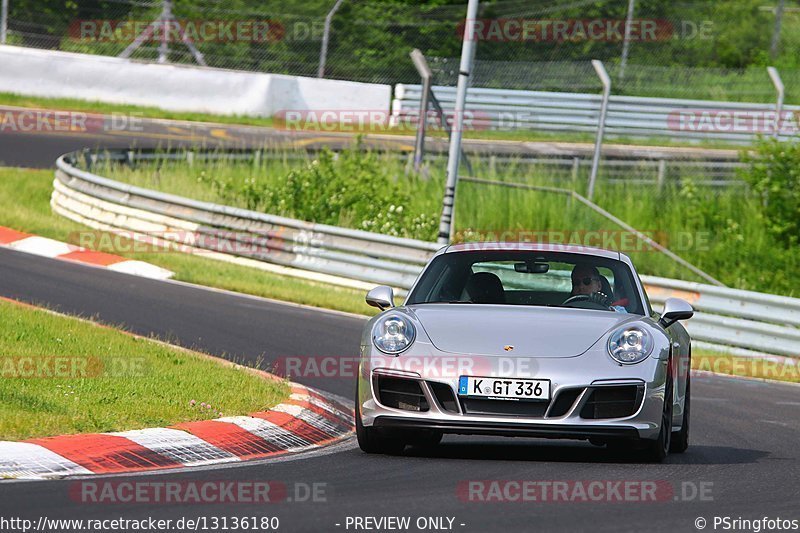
628,116
283,241
747,321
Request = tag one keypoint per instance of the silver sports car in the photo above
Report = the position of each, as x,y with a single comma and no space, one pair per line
522,339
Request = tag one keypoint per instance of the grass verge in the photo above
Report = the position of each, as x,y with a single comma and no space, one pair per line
63,375
87,106
26,207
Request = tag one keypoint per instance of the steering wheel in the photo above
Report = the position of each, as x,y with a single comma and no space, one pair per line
576,298
586,300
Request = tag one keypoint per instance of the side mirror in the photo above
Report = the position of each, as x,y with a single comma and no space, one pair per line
381,297
675,309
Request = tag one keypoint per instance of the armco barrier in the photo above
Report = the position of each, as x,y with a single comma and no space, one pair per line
330,250
747,321
628,116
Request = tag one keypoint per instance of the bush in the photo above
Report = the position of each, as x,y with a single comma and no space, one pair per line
774,173
354,188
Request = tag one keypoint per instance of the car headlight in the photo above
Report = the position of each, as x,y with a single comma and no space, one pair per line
393,334
630,344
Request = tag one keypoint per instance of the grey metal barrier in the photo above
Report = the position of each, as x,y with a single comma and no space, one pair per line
748,322
628,116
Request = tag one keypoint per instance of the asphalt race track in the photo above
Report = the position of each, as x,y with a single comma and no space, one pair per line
743,462
744,442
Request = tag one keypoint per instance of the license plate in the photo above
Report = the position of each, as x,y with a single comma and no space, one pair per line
504,388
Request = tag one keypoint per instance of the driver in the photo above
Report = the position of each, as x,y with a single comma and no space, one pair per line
586,281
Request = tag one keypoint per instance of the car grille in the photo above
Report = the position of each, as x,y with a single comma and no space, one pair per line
400,393
480,406
602,402
447,399
613,402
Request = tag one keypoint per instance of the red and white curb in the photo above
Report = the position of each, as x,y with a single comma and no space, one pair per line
308,419
33,244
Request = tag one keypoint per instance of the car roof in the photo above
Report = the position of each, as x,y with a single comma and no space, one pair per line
535,247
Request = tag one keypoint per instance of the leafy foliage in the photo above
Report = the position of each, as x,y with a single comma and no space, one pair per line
352,188
774,173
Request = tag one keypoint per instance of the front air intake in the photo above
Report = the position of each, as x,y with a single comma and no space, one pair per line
445,396
613,402
564,402
399,393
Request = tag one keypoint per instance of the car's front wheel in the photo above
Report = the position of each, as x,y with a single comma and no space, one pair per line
680,439
657,450
370,441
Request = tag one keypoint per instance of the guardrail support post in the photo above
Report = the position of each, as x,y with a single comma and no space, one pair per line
454,154
3,22
326,33
601,124
662,171
779,89
576,165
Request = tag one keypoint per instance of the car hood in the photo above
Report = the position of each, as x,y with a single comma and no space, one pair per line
532,331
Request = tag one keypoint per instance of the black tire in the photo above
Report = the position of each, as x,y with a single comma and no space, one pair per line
370,441
680,439
656,451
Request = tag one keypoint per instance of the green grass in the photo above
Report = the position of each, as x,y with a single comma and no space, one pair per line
25,206
111,381
75,104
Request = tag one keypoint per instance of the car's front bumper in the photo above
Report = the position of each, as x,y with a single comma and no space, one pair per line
509,429
583,374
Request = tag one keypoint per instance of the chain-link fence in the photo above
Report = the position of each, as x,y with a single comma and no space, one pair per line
711,50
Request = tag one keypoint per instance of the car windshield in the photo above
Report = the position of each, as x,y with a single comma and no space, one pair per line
555,279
